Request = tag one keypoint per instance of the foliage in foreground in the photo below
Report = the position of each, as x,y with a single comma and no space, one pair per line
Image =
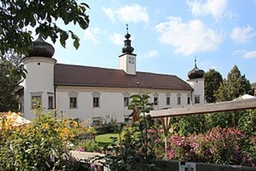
41,15
40,145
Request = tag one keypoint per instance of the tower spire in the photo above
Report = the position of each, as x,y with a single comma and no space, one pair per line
128,49
195,62
127,28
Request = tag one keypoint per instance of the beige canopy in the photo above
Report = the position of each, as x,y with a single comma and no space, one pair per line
17,120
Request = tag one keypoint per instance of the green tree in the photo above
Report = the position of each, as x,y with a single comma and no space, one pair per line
191,124
212,81
18,16
234,86
231,88
9,84
254,88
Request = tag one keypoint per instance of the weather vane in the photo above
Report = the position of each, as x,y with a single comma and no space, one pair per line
127,27
195,61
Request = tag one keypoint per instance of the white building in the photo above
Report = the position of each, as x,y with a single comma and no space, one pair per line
86,92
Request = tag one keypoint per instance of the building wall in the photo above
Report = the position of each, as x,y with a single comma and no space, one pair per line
127,62
198,86
39,81
111,101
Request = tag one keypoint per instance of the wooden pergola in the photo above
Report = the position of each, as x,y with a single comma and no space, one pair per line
238,104
166,114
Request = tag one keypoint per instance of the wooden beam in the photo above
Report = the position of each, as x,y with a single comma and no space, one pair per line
206,108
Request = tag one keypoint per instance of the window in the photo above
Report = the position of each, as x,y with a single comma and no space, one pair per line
155,100
178,100
168,101
73,102
126,119
36,102
96,121
188,100
131,60
96,102
50,102
126,101
197,99
95,99
126,96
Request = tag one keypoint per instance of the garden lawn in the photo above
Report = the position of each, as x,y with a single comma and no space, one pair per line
105,139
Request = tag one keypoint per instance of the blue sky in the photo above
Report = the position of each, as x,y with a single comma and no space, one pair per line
167,35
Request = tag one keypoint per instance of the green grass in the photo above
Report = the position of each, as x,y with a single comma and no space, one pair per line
105,139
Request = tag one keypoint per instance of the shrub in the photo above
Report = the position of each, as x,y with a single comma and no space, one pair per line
88,145
40,145
219,146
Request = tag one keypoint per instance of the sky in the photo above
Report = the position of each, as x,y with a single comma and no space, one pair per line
167,35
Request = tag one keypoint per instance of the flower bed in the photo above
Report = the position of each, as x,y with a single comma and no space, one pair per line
219,146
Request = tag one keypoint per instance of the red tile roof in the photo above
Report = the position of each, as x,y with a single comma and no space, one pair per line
75,75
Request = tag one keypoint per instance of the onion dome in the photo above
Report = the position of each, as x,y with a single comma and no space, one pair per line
128,49
40,48
195,72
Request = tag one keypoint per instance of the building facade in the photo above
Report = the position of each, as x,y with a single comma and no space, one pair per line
86,92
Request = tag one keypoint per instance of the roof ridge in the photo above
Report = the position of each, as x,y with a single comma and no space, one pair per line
144,72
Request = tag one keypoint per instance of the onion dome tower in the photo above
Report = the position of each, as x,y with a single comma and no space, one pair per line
196,81
39,82
195,72
127,60
40,48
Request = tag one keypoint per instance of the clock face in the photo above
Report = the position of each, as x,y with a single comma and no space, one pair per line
131,60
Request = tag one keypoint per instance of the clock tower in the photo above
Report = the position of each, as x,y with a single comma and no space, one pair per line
127,60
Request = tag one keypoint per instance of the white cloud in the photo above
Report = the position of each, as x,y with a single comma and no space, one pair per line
242,35
151,54
217,8
238,52
92,34
116,39
251,54
110,13
128,13
188,37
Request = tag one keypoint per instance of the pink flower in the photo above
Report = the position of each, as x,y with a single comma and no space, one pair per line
195,145
211,151
172,154
80,149
218,136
